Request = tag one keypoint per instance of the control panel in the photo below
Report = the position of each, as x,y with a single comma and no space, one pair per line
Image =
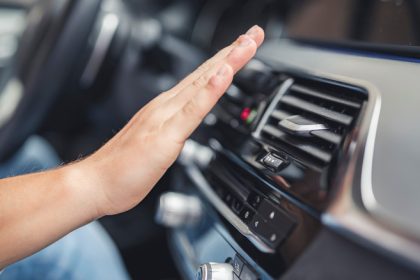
262,166
265,218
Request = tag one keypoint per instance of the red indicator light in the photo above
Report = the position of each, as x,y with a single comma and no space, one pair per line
248,115
245,114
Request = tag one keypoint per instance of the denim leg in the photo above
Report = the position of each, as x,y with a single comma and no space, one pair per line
86,253
35,155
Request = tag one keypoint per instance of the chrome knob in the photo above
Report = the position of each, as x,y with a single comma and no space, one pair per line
176,209
215,271
195,153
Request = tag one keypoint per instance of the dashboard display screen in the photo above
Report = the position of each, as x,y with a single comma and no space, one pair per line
382,25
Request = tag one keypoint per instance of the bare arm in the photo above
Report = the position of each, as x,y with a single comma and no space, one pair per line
37,209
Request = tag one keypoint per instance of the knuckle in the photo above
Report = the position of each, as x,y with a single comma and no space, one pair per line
191,109
235,59
241,38
201,81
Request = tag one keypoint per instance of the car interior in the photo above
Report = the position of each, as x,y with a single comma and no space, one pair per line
305,169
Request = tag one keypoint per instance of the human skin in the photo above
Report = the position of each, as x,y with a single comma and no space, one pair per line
38,209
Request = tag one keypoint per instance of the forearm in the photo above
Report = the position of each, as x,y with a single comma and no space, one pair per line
37,209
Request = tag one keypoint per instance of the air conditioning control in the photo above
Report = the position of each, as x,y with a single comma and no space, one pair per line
177,209
215,271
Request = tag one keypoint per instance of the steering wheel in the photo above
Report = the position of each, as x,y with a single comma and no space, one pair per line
61,37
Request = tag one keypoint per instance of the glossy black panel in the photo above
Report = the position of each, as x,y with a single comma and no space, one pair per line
289,230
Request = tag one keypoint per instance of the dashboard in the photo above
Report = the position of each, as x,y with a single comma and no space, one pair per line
302,165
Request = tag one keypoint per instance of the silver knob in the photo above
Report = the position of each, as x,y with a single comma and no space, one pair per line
215,271
195,153
176,209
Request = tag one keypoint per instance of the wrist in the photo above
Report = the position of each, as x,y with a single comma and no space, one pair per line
82,186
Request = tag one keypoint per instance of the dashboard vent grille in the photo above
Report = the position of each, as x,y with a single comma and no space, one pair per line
312,119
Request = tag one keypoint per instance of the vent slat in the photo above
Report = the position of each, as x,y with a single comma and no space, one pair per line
318,110
326,135
280,114
314,93
301,145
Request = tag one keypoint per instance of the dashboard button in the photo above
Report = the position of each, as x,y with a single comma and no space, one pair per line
273,162
272,235
254,200
228,198
275,217
246,215
256,223
236,205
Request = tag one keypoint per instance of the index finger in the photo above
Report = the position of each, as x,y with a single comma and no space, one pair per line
255,33
196,106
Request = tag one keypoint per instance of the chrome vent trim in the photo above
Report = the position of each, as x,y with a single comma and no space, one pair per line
314,102
284,87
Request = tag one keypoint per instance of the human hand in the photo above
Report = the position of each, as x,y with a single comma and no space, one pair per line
125,169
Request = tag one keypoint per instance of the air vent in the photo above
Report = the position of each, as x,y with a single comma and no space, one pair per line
312,119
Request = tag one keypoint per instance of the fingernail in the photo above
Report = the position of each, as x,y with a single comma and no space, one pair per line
252,31
246,41
223,70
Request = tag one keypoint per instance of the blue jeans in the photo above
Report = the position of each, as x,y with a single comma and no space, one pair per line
86,253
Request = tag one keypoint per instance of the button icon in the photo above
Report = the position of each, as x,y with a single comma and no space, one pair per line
273,162
273,237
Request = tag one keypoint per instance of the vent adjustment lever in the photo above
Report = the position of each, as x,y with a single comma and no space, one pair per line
300,126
